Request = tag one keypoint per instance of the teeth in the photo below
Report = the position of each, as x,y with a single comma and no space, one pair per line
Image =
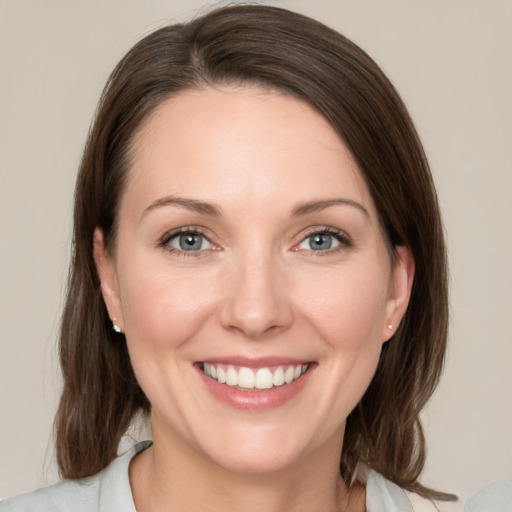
278,377
263,379
247,378
231,377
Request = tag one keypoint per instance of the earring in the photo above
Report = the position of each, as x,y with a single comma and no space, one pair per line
390,326
115,326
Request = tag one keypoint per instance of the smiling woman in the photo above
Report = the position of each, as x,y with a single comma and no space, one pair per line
259,267
219,300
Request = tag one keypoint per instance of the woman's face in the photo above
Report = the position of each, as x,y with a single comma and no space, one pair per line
249,248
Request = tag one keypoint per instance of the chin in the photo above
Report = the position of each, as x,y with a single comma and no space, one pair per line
257,450
255,461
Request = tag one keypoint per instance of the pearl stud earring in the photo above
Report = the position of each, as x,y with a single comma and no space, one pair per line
115,326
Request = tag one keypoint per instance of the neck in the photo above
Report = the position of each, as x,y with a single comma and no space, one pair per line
172,476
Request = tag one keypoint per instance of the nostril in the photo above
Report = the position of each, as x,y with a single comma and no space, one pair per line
256,300
255,331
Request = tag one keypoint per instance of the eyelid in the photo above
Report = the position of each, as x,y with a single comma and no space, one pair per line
164,241
176,239
196,230
341,236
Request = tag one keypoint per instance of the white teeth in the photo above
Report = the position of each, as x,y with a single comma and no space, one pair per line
248,378
278,377
231,377
263,378
288,374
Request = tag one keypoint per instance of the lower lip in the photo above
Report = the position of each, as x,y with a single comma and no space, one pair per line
252,400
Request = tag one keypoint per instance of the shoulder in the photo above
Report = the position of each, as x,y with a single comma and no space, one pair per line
420,504
107,491
496,497
62,496
385,496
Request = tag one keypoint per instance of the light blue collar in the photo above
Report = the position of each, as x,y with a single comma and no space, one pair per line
381,494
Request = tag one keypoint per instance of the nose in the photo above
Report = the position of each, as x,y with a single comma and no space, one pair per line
256,299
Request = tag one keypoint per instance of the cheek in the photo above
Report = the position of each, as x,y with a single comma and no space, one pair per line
347,307
163,308
349,319
163,311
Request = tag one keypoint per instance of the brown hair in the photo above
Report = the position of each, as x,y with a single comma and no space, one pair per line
284,51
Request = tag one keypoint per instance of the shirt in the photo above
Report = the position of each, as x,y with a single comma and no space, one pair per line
109,491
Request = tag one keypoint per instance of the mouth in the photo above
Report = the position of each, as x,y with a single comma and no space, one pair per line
255,379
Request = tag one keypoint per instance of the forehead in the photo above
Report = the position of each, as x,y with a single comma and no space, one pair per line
241,144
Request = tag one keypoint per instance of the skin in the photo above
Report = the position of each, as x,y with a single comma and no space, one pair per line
256,288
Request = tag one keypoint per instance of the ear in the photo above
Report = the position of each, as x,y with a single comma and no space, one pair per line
108,279
402,278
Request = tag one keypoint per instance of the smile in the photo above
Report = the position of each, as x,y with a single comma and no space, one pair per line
254,378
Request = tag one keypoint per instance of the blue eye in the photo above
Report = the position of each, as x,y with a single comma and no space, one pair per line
322,241
319,242
189,242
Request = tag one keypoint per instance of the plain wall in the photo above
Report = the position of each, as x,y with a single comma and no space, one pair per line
452,62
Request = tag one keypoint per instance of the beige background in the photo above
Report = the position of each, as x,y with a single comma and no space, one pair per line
452,62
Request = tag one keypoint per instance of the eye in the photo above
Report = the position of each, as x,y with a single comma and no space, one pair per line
188,241
324,240
319,242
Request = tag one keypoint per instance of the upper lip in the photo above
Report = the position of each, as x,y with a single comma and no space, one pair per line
256,362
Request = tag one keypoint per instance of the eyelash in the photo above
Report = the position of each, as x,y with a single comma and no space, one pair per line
189,230
344,241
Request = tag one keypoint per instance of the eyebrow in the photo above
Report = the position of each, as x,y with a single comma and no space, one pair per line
190,204
212,209
315,206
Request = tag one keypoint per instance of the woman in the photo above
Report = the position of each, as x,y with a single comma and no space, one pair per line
259,268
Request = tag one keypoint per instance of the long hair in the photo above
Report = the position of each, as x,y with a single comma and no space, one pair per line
283,51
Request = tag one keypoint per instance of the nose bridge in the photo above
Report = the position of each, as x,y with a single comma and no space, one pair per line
256,296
